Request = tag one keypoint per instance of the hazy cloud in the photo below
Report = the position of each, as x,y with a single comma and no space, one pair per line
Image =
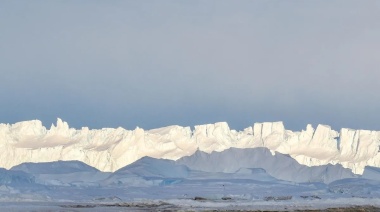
157,63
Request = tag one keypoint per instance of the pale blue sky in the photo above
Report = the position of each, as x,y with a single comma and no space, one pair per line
159,63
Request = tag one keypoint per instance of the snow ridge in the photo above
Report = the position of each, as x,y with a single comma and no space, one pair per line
278,165
110,149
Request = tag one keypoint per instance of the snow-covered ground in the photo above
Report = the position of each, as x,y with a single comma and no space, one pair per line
263,167
235,179
189,194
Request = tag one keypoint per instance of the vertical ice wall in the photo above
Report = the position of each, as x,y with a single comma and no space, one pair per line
109,149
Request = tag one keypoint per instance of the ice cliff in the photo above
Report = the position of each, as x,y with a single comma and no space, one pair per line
109,149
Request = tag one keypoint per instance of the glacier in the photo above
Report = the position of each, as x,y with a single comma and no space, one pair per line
279,166
110,149
234,179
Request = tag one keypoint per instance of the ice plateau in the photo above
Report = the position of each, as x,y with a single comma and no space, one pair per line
110,149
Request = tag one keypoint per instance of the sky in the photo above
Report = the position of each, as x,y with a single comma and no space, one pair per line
157,63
